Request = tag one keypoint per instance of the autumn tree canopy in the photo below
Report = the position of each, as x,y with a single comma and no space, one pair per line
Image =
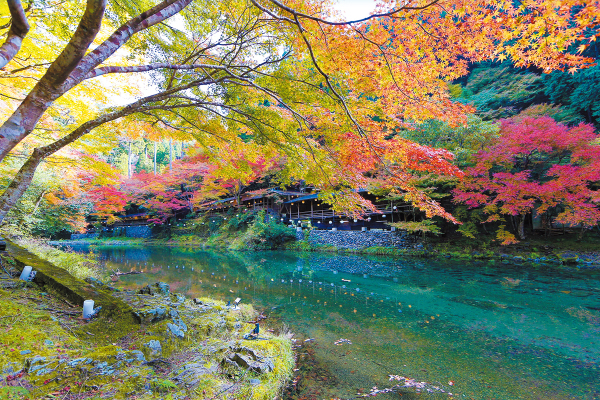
288,76
536,164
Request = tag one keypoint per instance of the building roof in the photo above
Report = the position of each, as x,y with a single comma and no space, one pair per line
316,195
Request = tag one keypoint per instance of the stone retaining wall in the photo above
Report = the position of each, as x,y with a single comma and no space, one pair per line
361,239
141,231
76,236
138,231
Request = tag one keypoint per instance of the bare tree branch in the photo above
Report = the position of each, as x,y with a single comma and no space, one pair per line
144,68
316,19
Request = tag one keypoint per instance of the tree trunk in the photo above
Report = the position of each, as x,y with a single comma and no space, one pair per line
20,183
19,27
154,158
73,65
521,230
50,87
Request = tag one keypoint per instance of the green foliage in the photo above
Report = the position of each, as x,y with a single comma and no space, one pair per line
468,229
558,113
471,219
577,92
463,141
268,235
423,227
39,211
241,221
501,91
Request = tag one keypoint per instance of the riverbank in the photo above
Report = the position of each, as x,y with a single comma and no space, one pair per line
536,252
167,347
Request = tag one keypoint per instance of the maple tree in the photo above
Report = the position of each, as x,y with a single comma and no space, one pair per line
163,195
536,164
337,87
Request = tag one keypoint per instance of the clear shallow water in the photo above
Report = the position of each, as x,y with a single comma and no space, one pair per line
496,332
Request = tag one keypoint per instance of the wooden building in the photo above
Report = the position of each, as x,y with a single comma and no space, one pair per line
309,209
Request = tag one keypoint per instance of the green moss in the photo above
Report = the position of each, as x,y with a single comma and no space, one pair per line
212,331
23,328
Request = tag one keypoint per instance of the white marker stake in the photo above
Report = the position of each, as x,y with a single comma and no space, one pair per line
88,308
26,272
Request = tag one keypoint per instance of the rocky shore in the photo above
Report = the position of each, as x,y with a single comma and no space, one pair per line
181,349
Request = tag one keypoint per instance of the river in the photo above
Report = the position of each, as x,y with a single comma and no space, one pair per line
476,330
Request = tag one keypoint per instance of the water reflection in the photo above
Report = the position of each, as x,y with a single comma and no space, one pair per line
502,332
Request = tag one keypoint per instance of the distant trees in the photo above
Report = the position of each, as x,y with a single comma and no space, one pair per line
502,91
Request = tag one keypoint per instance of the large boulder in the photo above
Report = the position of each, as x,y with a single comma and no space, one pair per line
247,359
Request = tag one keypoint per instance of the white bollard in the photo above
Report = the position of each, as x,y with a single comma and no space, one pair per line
25,273
88,308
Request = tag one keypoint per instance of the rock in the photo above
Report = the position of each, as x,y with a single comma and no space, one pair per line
181,325
157,288
568,257
255,382
77,361
246,358
176,330
36,363
153,315
23,352
48,343
163,288
148,289
154,348
191,373
198,301
138,355
94,282
11,368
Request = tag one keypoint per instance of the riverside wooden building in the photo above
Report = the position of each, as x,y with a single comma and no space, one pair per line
308,209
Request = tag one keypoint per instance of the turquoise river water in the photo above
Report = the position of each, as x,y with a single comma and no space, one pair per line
477,330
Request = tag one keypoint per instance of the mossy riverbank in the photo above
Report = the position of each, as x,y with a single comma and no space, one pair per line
175,348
